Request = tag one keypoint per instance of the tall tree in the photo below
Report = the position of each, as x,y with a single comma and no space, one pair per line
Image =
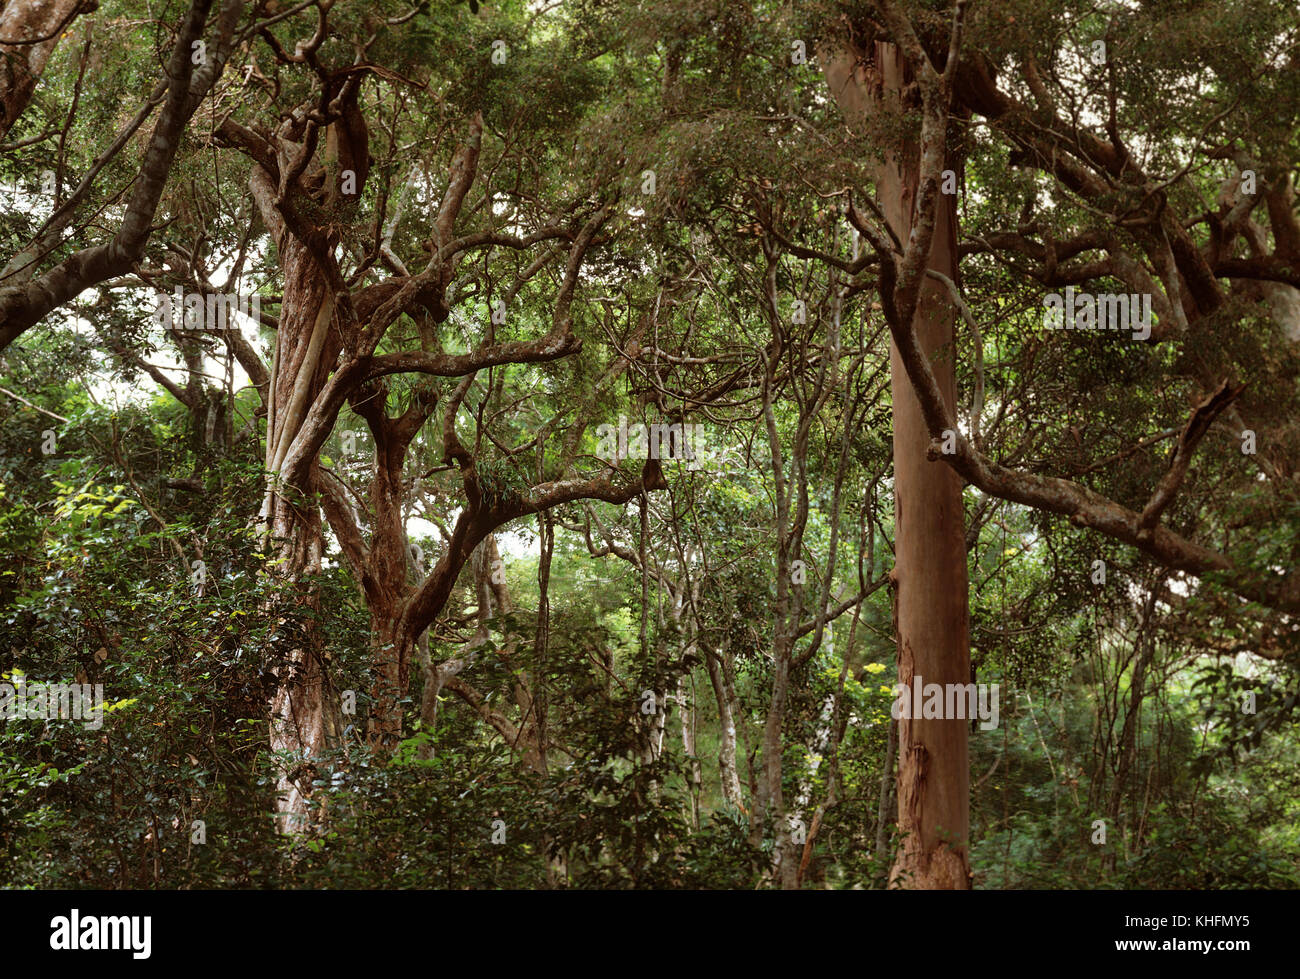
931,614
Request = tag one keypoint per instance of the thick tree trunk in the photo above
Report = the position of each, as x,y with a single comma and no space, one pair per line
305,711
29,32
387,586
930,553
390,665
305,708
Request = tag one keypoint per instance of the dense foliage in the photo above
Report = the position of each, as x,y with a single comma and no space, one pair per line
596,700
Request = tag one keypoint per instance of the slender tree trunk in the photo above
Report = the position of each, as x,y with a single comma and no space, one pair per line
1144,648
887,800
728,773
686,703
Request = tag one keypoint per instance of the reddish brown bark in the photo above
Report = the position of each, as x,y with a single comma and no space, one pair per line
305,719
326,357
930,550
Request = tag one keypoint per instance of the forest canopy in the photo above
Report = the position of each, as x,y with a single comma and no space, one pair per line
693,444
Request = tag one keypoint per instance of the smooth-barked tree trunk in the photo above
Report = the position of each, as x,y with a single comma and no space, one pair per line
930,552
